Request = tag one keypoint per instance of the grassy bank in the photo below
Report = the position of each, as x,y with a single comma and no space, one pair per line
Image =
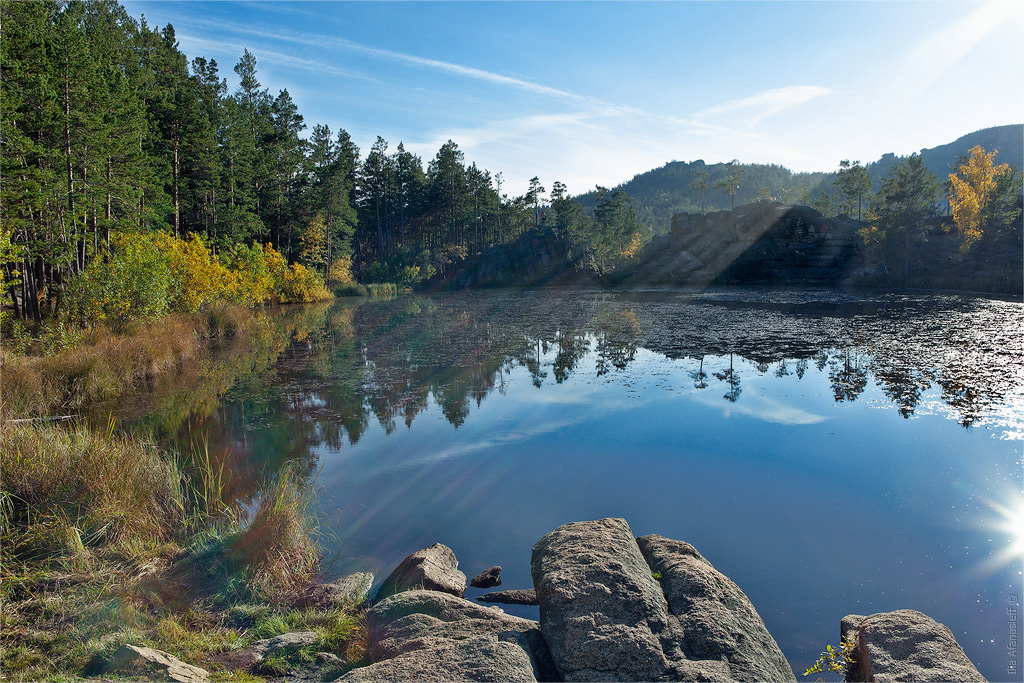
106,539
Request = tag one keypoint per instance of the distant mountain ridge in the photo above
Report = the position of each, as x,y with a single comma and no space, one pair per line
660,193
1008,140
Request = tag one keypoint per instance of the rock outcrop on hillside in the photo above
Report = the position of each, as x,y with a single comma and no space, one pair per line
761,243
539,257
758,243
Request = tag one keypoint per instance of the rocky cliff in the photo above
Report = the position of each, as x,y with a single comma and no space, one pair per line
759,243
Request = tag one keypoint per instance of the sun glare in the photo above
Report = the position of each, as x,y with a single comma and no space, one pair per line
1008,523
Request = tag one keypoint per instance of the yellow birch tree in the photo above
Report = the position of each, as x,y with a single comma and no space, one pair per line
970,190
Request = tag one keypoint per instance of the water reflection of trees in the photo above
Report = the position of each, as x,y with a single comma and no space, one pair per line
455,350
732,380
389,361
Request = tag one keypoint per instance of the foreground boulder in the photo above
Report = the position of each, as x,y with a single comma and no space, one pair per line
906,645
489,578
715,618
434,568
606,617
428,635
602,612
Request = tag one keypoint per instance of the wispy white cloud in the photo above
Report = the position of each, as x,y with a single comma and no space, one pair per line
762,408
196,45
320,41
756,108
578,139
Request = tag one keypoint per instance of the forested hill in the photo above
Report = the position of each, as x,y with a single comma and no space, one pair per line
1008,140
662,192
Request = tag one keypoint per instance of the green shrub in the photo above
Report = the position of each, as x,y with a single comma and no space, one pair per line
382,289
249,280
132,282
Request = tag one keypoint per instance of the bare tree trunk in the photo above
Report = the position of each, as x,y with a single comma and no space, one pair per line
175,171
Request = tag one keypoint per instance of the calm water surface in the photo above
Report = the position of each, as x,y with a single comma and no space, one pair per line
832,454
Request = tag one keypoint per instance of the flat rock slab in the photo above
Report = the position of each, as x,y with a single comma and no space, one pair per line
907,645
715,619
429,635
347,591
603,615
434,569
155,664
527,596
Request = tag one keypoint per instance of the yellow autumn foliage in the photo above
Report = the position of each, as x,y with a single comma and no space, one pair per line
148,274
300,284
633,246
197,277
340,272
970,189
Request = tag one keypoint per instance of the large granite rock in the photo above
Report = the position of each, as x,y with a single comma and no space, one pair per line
603,614
715,618
906,645
760,242
428,635
537,257
434,568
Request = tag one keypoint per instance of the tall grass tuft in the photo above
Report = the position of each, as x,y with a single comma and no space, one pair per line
382,289
68,489
206,485
277,550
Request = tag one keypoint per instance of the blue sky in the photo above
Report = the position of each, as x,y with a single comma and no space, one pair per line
594,92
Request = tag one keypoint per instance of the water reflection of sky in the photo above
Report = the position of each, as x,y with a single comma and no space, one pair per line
815,508
832,474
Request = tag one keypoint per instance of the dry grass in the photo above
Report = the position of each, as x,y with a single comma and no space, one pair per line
67,491
276,550
103,544
105,539
105,364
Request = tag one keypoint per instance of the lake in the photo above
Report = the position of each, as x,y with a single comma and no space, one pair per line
831,453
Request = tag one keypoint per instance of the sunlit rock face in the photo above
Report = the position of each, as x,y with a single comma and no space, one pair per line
758,243
617,608
434,568
905,645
